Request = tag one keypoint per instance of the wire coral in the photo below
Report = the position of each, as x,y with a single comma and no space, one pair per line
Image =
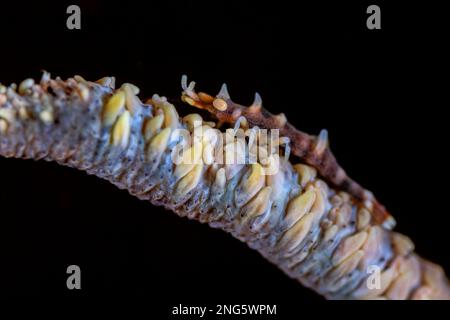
308,217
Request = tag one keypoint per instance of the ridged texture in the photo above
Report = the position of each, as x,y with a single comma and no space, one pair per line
320,236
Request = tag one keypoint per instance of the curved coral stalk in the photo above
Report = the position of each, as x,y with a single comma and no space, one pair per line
321,236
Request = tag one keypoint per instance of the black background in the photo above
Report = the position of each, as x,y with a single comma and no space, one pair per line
382,95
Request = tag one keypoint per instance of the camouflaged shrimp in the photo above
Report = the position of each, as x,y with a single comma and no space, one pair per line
324,236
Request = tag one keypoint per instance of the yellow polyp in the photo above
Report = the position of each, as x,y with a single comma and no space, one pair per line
106,82
113,107
188,160
212,124
208,153
190,181
277,182
433,275
258,205
330,233
363,219
402,244
306,173
2,99
295,235
188,100
319,206
193,121
121,130
249,186
345,267
371,246
132,102
408,276
84,92
349,246
152,126
183,169
300,205
7,114
3,125
25,86
159,142
256,176
170,116
46,116
23,113
192,155
272,165
234,152
80,79
221,179
133,88
343,215
263,155
207,133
